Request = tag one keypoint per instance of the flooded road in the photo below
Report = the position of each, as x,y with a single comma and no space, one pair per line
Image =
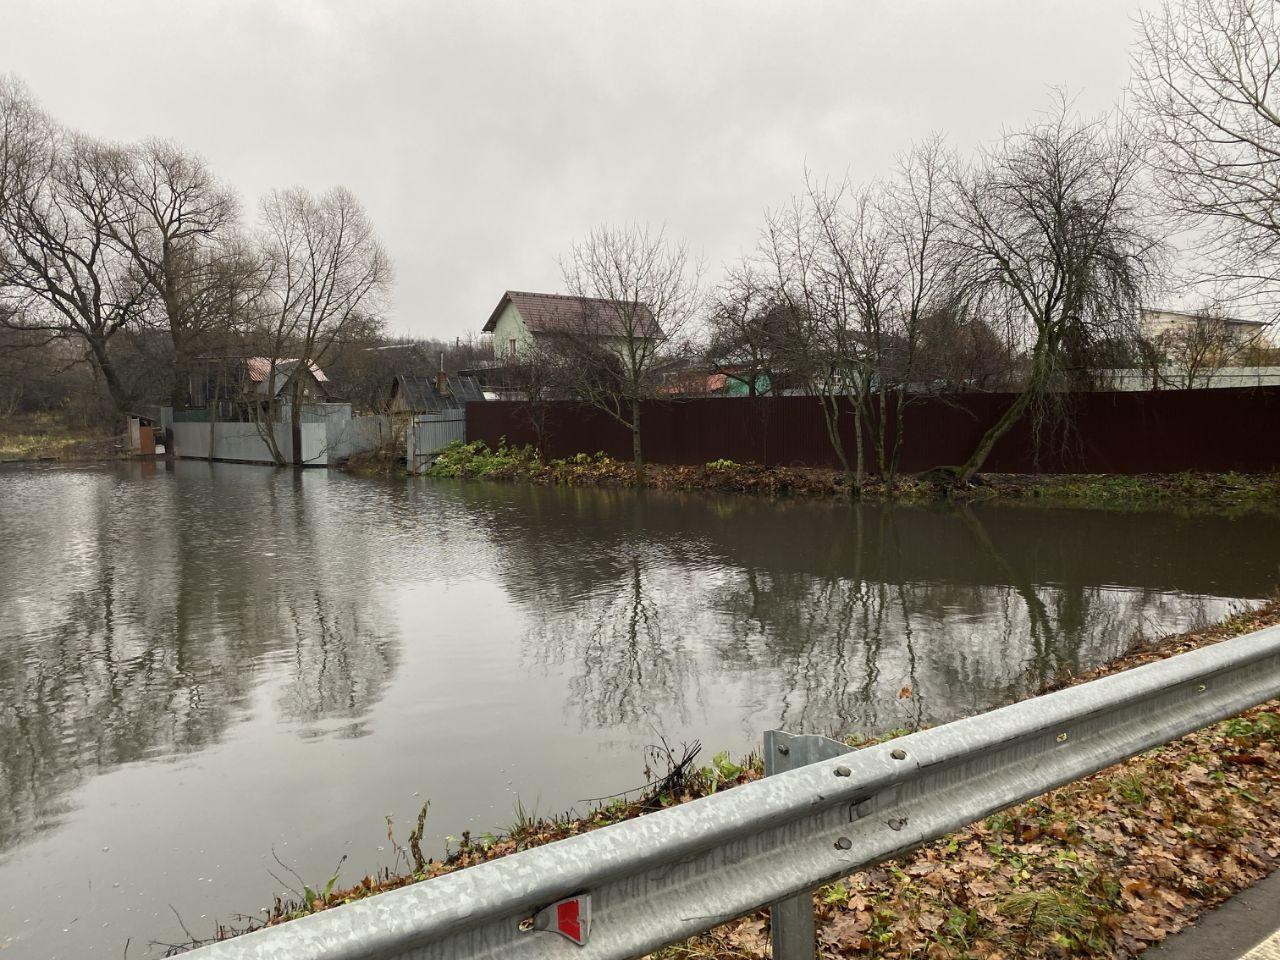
204,665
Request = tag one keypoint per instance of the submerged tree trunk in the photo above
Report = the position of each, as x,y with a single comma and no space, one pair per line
636,456
213,413
295,420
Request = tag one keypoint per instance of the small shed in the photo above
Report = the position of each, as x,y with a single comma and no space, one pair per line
142,435
435,394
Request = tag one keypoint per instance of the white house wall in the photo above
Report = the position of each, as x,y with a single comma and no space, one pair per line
508,327
1172,377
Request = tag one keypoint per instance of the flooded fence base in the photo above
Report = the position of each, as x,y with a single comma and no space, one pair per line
325,439
1121,432
428,433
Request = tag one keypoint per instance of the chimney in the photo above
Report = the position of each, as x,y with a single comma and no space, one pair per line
442,383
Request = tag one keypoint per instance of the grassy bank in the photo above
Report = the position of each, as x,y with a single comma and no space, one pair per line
523,464
33,437
1102,867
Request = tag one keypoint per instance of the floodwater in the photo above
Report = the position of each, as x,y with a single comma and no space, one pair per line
211,666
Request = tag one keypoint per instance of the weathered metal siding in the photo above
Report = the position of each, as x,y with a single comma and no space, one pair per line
329,433
356,435
238,442
1160,431
429,432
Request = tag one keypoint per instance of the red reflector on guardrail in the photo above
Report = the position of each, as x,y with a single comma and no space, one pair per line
570,918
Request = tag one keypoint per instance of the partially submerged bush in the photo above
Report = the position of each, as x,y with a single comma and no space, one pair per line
476,459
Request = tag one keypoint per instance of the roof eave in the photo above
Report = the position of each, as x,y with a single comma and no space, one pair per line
497,312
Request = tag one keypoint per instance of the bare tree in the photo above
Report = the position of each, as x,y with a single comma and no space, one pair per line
546,373
885,245
750,335
61,273
327,277
1206,76
180,227
1197,347
1202,348
1048,235
959,353
638,294
861,269
828,354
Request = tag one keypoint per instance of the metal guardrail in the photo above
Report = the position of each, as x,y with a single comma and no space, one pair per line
669,875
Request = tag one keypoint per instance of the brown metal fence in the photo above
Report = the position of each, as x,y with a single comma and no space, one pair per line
1162,431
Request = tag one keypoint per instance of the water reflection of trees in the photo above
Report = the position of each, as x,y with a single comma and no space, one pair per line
851,628
628,661
171,604
341,663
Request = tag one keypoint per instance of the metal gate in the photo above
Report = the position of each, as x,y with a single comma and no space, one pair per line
428,433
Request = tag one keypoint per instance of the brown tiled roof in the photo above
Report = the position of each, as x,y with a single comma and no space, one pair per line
561,313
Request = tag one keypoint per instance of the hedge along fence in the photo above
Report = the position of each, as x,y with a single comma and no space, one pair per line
1162,431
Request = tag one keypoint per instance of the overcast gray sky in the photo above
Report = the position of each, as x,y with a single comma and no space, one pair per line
484,137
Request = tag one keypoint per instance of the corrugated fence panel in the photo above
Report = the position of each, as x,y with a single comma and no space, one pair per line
430,432
1160,431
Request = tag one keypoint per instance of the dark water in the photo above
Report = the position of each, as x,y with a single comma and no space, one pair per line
200,665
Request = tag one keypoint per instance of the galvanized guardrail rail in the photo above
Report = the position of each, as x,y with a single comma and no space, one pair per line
645,883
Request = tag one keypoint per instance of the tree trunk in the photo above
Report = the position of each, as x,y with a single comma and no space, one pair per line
1039,380
860,469
994,433
899,427
213,412
120,398
831,419
179,386
637,458
295,419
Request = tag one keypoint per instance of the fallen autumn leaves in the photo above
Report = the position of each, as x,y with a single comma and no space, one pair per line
1102,867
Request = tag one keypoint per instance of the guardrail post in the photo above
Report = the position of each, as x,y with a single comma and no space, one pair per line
791,927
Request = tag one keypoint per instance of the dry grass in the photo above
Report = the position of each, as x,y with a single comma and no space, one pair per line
30,437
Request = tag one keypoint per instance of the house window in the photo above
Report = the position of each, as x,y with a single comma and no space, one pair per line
511,347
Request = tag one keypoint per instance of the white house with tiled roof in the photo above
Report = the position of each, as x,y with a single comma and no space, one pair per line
520,318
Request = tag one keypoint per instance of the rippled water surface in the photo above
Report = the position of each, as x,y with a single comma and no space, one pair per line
204,664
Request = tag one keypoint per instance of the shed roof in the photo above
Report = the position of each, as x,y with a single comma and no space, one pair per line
563,313
421,394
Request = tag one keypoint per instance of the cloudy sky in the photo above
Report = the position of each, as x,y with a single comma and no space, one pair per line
484,137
